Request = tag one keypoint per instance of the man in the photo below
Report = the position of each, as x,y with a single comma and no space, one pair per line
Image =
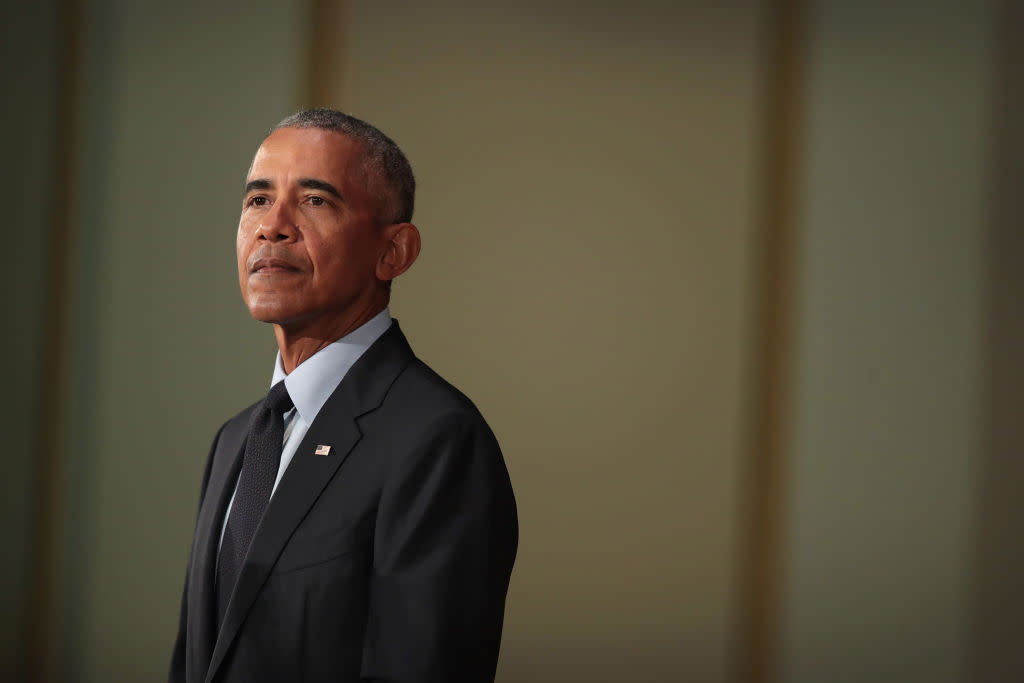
358,523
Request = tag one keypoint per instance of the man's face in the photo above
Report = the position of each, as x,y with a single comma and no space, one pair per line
308,242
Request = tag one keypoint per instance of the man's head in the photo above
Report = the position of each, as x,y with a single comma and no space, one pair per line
324,225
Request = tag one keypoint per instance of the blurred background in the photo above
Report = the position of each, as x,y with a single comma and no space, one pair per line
736,283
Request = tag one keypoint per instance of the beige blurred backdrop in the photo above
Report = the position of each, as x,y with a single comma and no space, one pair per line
735,283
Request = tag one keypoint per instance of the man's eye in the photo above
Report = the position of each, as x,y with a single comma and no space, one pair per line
317,201
258,200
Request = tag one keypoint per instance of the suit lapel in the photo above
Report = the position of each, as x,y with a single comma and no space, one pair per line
227,462
362,390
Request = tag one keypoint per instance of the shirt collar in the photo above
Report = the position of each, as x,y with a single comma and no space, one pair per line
313,381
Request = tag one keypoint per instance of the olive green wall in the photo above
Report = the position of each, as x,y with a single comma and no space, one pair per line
586,202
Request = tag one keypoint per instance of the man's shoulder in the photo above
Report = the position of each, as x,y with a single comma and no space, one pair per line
426,419
421,389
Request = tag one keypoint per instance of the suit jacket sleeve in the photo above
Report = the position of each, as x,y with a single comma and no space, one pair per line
444,544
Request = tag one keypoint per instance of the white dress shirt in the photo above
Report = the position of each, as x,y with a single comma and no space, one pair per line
312,383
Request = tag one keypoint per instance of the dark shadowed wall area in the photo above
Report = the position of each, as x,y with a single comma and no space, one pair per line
735,284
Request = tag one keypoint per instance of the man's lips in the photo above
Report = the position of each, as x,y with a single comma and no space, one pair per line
268,266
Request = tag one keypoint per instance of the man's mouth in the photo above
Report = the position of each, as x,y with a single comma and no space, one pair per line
269,266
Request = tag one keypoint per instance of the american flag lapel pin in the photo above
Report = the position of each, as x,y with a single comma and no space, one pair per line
322,450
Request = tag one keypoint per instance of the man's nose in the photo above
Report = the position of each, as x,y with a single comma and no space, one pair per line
278,224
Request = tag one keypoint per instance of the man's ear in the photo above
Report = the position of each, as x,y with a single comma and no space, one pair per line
401,247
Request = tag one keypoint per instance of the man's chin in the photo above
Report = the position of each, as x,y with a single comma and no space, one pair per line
273,314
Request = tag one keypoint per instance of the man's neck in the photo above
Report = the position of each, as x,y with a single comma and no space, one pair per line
299,342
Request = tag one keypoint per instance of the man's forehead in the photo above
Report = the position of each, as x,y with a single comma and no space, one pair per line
313,149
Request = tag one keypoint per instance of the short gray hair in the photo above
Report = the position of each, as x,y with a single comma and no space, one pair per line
387,171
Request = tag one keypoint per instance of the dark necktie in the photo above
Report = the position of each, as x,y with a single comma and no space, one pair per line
255,484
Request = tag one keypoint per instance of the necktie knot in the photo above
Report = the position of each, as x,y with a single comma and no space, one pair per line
278,401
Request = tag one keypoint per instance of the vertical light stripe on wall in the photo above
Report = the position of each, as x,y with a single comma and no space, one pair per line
761,557
43,614
328,49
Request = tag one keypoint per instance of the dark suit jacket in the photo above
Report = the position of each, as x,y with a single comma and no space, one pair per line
387,559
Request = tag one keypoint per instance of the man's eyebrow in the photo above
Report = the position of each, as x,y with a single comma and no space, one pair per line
258,184
309,183
322,185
